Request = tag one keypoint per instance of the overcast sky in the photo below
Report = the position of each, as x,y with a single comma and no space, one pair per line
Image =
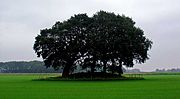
21,21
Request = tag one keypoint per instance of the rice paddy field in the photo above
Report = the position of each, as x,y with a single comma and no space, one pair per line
154,86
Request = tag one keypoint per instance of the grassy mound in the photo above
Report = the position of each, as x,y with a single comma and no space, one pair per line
97,76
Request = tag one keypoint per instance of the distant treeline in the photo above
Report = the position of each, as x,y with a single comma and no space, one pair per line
25,67
38,67
168,70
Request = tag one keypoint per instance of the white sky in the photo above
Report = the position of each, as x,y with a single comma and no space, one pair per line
21,21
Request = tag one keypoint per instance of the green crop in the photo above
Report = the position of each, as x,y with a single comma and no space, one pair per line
21,86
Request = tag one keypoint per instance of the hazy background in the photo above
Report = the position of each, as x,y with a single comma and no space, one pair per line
21,21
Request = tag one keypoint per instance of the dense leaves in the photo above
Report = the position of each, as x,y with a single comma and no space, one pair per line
105,41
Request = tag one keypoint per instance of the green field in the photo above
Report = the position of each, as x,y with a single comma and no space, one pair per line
21,86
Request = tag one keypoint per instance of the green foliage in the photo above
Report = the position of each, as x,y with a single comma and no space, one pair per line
104,40
21,86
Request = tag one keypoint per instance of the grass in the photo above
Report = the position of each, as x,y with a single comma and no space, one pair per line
21,86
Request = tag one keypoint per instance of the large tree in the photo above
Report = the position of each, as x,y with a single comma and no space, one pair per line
105,38
115,40
63,44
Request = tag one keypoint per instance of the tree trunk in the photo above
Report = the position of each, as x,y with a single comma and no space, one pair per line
104,67
120,68
66,69
113,66
93,66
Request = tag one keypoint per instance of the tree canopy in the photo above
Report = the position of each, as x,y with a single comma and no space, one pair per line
106,41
